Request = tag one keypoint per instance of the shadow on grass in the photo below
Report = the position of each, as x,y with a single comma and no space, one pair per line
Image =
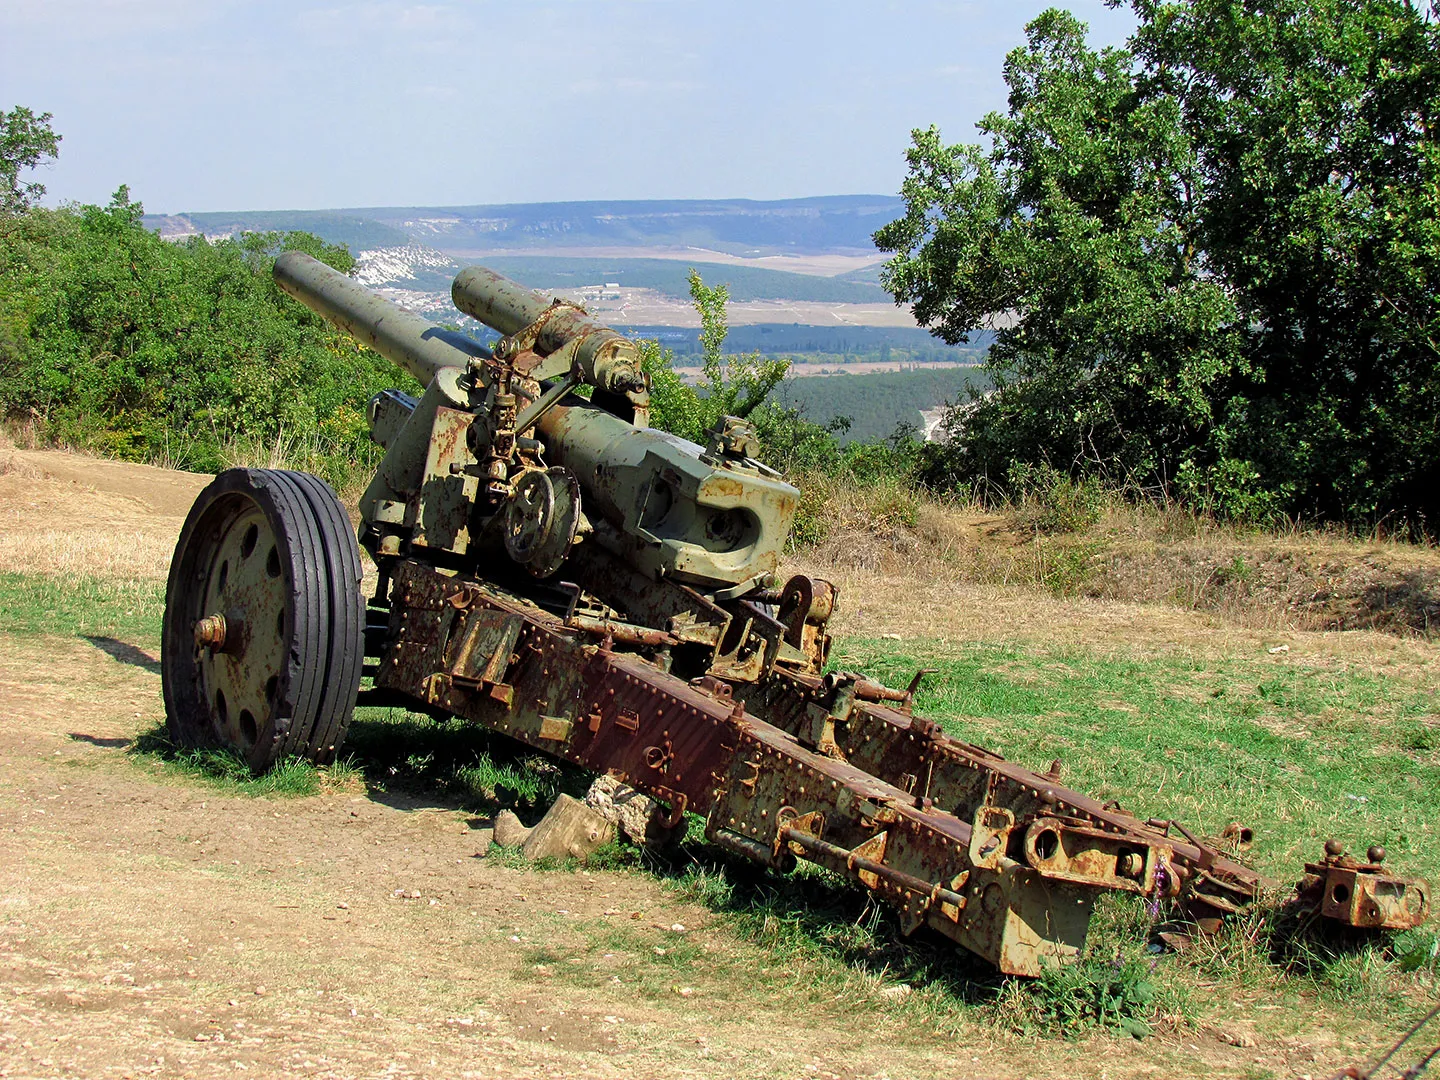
408,759
125,653
812,916
404,760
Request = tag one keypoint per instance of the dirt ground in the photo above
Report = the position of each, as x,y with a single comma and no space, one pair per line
152,927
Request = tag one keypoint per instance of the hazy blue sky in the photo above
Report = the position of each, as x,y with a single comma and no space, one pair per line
259,104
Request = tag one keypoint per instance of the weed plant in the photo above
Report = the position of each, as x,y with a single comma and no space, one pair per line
227,771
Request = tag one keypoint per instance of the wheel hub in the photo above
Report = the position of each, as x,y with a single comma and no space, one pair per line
241,646
210,633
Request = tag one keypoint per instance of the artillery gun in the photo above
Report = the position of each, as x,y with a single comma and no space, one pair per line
554,569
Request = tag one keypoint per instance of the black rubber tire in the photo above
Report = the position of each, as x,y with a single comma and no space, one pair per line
295,638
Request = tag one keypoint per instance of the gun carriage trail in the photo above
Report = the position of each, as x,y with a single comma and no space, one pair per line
161,927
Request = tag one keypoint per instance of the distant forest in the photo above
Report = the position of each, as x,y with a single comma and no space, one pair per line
908,344
877,405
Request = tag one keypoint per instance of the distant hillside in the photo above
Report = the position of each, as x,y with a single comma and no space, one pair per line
335,226
671,277
426,269
829,224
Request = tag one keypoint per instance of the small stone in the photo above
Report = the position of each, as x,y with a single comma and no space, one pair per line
677,928
685,991
1235,1038
259,991
640,818
343,906
899,990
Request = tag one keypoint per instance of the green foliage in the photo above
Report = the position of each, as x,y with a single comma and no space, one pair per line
1051,501
731,385
1217,250
876,404
141,349
26,140
1097,993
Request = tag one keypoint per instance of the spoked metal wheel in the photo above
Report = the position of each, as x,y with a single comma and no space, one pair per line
264,620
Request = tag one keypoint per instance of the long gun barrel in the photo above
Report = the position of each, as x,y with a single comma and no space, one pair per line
406,340
665,506
606,359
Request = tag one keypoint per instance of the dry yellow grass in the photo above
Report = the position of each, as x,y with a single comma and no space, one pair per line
1138,579
905,565
65,514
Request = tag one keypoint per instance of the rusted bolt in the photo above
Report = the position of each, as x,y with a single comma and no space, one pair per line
210,632
1334,848
1376,854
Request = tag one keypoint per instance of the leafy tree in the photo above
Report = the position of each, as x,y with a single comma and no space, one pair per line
141,348
732,385
1211,257
26,141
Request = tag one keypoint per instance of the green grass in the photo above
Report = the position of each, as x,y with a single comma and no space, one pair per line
227,771
1299,753
83,606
